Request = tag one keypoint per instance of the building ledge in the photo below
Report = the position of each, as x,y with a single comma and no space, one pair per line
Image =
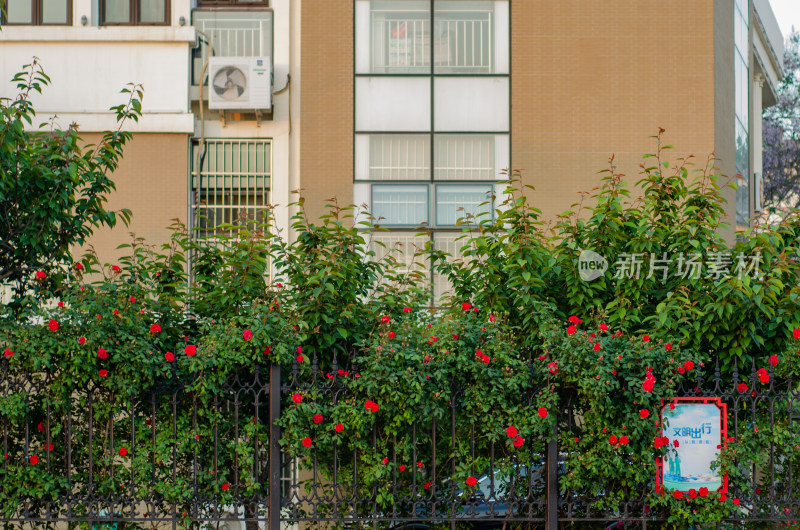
161,34
177,122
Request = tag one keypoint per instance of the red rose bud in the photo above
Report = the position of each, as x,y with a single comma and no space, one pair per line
155,328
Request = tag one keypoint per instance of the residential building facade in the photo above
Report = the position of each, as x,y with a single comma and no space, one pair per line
412,108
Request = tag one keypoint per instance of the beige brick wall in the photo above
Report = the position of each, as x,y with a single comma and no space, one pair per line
589,79
326,103
593,78
151,182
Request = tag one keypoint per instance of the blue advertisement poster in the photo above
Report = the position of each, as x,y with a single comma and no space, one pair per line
697,429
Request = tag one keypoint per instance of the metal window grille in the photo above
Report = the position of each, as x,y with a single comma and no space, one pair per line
231,184
464,157
462,41
399,157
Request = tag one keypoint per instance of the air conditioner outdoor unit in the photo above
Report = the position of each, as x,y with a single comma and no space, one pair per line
240,83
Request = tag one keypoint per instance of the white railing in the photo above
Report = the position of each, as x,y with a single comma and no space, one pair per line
460,44
399,157
465,157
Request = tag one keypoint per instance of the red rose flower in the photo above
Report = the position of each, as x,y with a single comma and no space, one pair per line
737,502
612,440
742,388
623,440
40,427
575,320
155,328
796,333
542,412
50,448
466,306
604,327
406,310
427,485
676,443
225,487
492,318
553,366
123,451
190,350
8,353
471,481
646,338
688,365
247,334
385,319
103,373
693,493
773,360
34,460
299,359
511,431
102,354
317,418
169,356
82,340
667,346
385,460
53,325
401,467
677,494
518,441
307,442
419,464
391,335
40,275
647,385
338,427
116,269
763,376
681,370
571,330
597,346
371,406
723,497
79,266
703,492
644,413
485,359
297,398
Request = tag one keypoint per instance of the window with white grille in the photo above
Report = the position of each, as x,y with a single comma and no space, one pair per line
230,182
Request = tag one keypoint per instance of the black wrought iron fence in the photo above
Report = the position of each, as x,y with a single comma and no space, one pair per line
176,454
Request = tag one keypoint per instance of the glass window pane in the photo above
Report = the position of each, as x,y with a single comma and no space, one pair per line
393,157
743,169
398,204
393,104
466,157
465,36
117,11
471,104
54,11
20,11
392,36
153,11
454,202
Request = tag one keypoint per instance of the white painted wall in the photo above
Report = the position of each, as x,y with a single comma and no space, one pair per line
89,65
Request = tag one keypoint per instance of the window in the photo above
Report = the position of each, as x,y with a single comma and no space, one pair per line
742,114
134,12
37,12
432,118
232,184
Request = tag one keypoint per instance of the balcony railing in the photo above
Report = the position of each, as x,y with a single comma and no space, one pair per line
231,34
